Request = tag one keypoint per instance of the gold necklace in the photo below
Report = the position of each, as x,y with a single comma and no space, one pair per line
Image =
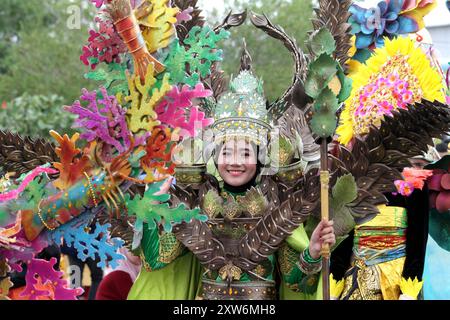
40,217
91,189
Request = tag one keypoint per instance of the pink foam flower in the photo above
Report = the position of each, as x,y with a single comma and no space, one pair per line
416,177
404,187
385,108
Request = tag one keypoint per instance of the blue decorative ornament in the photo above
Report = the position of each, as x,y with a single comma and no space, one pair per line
371,25
97,244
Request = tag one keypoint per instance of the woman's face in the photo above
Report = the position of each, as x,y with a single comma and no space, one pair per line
237,162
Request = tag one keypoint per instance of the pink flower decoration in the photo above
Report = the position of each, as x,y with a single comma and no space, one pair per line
384,96
416,177
404,188
413,179
184,15
385,108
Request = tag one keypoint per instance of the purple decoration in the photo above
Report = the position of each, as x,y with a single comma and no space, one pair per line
23,250
184,15
102,119
42,280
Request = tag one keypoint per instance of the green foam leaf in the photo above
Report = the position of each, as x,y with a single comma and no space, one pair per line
114,78
344,191
320,73
323,125
322,41
153,209
198,58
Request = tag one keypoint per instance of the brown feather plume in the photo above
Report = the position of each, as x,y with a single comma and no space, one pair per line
21,155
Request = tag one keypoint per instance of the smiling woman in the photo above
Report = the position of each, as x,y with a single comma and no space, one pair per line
237,162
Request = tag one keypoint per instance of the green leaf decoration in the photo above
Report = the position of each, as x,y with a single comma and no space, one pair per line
153,209
286,151
439,228
322,41
320,73
324,120
341,224
253,202
343,221
323,125
326,102
346,89
344,191
198,58
114,79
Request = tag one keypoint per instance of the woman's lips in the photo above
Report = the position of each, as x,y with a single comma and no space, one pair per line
235,173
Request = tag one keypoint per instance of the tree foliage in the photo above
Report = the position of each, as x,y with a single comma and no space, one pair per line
39,51
271,60
35,115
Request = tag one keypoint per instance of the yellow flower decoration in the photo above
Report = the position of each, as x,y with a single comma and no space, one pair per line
411,287
396,75
336,287
352,64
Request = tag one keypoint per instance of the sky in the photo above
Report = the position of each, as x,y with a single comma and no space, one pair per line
208,5
439,16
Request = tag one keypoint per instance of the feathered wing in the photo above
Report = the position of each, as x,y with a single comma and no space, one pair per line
196,235
22,155
377,160
293,122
